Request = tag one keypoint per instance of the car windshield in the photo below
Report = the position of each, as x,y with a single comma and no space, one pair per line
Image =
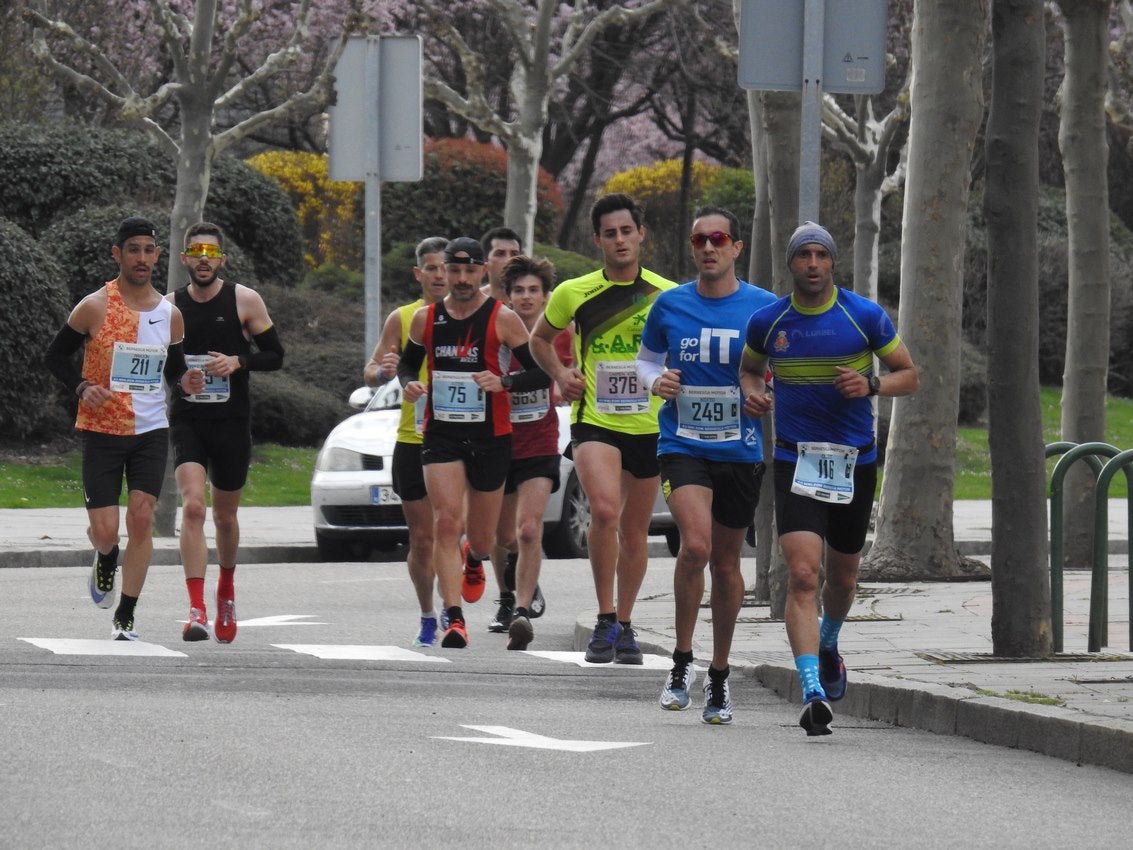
386,397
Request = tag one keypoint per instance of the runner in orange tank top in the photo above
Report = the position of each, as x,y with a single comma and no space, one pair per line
133,350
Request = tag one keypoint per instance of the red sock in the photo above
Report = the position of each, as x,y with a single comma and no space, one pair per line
196,592
226,583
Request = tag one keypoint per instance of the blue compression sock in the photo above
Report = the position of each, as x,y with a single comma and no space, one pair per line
828,632
807,665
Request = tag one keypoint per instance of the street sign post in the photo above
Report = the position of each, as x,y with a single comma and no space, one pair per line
812,46
376,132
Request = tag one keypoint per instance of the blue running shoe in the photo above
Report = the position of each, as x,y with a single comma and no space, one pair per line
427,636
675,696
832,674
717,702
602,642
444,619
816,716
626,650
102,576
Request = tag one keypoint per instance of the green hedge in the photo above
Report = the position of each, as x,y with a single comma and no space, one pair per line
62,171
33,306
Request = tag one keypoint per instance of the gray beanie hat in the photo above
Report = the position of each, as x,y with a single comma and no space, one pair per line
806,233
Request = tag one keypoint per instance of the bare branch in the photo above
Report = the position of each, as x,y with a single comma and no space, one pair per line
607,18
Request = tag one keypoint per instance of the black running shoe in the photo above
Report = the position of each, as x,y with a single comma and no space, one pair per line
816,717
538,604
502,620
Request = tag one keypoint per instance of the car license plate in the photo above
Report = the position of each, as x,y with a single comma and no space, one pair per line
382,495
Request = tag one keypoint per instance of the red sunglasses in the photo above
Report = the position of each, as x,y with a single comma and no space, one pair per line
718,238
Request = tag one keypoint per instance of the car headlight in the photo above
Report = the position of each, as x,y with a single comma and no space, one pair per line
336,459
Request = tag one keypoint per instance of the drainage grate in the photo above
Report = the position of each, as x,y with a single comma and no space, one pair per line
856,618
941,657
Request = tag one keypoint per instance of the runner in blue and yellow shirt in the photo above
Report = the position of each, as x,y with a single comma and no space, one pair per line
820,342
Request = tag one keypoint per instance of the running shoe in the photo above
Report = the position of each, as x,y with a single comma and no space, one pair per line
456,635
717,702
197,626
502,620
832,674
626,650
102,576
472,586
444,619
816,716
538,604
427,636
674,696
520,633
123,630
601,648
224,626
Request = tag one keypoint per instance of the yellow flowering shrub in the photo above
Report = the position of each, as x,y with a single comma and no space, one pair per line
327,210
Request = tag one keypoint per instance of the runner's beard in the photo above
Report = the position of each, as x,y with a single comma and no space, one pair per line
204,284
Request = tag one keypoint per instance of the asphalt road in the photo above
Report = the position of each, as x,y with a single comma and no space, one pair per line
320,727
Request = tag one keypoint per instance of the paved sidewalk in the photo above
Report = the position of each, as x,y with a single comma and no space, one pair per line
918,654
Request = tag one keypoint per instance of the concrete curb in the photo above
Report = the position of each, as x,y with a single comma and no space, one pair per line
162,556
1044,729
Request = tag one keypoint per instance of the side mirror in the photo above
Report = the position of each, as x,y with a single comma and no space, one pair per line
360,397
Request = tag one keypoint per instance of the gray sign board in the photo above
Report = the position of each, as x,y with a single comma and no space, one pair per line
771,45
399,105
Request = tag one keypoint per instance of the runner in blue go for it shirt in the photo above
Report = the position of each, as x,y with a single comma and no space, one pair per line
703,338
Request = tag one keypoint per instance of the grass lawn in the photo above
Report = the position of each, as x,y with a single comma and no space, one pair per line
281,475
973,462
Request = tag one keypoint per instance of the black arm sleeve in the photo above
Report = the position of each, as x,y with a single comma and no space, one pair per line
532,377
269,355
409,367
59,357
175,366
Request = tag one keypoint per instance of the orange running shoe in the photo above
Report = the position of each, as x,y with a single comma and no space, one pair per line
456,635
472,586
224,626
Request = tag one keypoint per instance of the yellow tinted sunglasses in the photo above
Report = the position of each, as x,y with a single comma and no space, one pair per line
204,249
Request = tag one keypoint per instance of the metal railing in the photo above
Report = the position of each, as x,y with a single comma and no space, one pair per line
1098,635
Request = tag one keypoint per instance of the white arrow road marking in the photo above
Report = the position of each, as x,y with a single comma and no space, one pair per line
279,620
649,662
348,652
79,646
519,738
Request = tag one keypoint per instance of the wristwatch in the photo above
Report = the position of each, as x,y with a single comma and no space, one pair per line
874,385
506,381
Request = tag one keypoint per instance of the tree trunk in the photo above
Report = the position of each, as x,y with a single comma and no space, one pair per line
1082,140
522,182
782,119
914,538
1020,584
867,225
194,172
